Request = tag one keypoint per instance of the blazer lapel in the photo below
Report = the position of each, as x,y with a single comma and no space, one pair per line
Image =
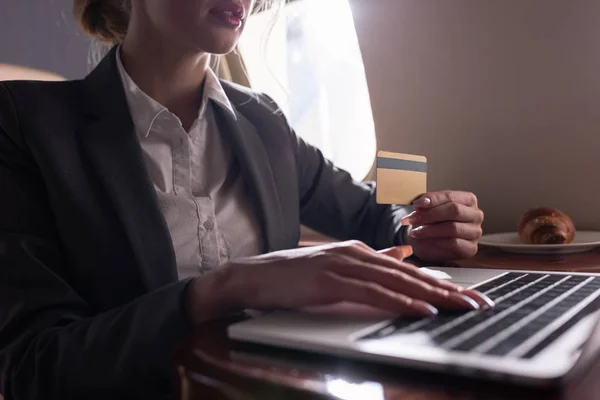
254,161
111,145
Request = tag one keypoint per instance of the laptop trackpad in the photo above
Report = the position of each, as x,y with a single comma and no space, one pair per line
462,276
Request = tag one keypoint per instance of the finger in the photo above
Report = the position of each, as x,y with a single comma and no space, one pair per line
446,230
398,252
336,245
344,289
356,243
359,254
462,247
446,212
333,247
400,282
435,199
401,252
354,249
446,249
482,299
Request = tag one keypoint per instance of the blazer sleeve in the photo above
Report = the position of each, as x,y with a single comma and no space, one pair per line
52,345
332,203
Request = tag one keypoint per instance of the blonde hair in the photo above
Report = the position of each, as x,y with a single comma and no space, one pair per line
107,20
104,20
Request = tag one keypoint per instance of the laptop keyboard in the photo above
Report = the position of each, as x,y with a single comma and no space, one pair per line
531,311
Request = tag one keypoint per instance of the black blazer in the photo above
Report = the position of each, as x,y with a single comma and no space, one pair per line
90,303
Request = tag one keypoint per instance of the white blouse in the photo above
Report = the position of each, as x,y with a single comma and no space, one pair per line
199,184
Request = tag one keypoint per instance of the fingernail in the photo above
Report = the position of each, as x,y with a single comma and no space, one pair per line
484,301
474,305
416,232
429,309
408,219
489,303
412,221
422,202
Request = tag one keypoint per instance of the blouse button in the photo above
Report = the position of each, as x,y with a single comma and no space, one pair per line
209,224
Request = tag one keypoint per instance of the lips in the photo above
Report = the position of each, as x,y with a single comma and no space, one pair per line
229,13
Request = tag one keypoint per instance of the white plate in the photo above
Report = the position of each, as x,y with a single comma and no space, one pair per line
510,242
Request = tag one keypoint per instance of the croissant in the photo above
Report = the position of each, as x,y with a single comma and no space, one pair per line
546,225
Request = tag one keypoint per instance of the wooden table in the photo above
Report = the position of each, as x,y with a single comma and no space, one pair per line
210,366
488,258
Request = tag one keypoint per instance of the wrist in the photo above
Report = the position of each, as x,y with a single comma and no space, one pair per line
209,296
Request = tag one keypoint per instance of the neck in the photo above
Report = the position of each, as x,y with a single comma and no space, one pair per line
170,75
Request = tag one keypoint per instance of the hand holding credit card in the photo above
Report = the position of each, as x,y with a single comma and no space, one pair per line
401,178
445,225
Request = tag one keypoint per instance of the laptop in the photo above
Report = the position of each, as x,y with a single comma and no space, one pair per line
543,330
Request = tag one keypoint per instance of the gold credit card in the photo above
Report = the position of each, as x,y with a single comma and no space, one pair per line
401,178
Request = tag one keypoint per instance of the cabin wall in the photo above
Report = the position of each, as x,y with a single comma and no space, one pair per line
502,96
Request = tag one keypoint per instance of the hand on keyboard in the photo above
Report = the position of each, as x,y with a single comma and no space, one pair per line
335,273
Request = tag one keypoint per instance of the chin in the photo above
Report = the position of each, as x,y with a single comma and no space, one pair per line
219,49
216,41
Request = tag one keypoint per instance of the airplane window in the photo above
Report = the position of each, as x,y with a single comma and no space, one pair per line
308,59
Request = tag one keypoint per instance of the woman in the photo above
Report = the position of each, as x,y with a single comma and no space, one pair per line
136,204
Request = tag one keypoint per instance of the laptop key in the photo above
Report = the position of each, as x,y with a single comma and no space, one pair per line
540,322
481,335
511,289
486,287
